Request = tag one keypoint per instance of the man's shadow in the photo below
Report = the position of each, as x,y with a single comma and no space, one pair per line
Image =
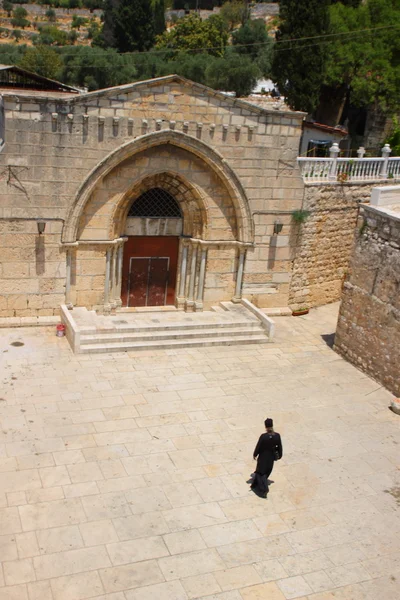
256,491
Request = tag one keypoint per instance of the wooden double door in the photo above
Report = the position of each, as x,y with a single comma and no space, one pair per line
149,271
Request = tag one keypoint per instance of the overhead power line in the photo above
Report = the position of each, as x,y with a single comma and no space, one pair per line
349,34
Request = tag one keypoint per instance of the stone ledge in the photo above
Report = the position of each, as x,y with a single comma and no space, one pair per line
29,321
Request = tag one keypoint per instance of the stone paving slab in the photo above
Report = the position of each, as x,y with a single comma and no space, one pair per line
124,476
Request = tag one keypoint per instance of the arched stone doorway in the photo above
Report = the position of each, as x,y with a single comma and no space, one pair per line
149,271
214,232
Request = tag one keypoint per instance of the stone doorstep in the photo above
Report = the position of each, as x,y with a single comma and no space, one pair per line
29,321
160,335
149,329
236,324
170,344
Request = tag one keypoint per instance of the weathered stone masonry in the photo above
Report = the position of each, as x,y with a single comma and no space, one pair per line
78,161
368,332
322,244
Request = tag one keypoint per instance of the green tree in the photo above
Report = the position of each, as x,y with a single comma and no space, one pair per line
158,8
51,15
78,22
364,67
393,138
10,54
353,3
233,73
42,60
192,66
19,18
93,31
95,68
233,13
50,35
299,66
191,33
8,7
128,25
72,36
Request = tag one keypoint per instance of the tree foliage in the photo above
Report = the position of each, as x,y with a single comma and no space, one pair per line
158,8
234,72
51,15
50,35
299,66
192,33
8,7
367,63
95,68
19,18
42,60
233,13
252,40
128,25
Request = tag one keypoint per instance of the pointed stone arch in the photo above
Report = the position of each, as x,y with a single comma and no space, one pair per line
209,156
188,196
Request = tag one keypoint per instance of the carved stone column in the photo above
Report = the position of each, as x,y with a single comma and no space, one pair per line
202,276
192,279
113,279
180,300
107,305
68,279
239,277
120,255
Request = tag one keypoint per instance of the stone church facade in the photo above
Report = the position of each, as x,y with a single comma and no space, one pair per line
158,192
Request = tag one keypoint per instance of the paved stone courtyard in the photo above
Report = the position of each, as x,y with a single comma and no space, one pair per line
123,476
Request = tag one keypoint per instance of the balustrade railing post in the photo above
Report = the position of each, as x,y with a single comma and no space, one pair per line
361,152
386,150
333,153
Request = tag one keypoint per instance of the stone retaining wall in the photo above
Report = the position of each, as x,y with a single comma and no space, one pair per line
321,246
368,332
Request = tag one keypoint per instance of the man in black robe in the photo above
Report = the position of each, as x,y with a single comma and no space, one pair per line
268,449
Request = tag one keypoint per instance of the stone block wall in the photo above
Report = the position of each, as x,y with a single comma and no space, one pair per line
54,143
32,269
321,246
368,331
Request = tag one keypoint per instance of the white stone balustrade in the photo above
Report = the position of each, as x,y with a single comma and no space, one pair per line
335,169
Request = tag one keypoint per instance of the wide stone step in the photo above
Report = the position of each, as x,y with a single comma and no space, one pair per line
171,334
170,343
170,327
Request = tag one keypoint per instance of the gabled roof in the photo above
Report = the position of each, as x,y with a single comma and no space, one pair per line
339,130
229,100
15,78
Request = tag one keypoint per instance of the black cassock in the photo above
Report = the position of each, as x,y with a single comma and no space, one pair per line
267,445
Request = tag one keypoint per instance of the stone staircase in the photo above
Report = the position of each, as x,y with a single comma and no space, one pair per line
226,324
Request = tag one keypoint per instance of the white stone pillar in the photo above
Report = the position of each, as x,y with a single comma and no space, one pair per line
334,153
239,277
107,306
192,279
386,150
202,277
182,280
361,152
68,279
